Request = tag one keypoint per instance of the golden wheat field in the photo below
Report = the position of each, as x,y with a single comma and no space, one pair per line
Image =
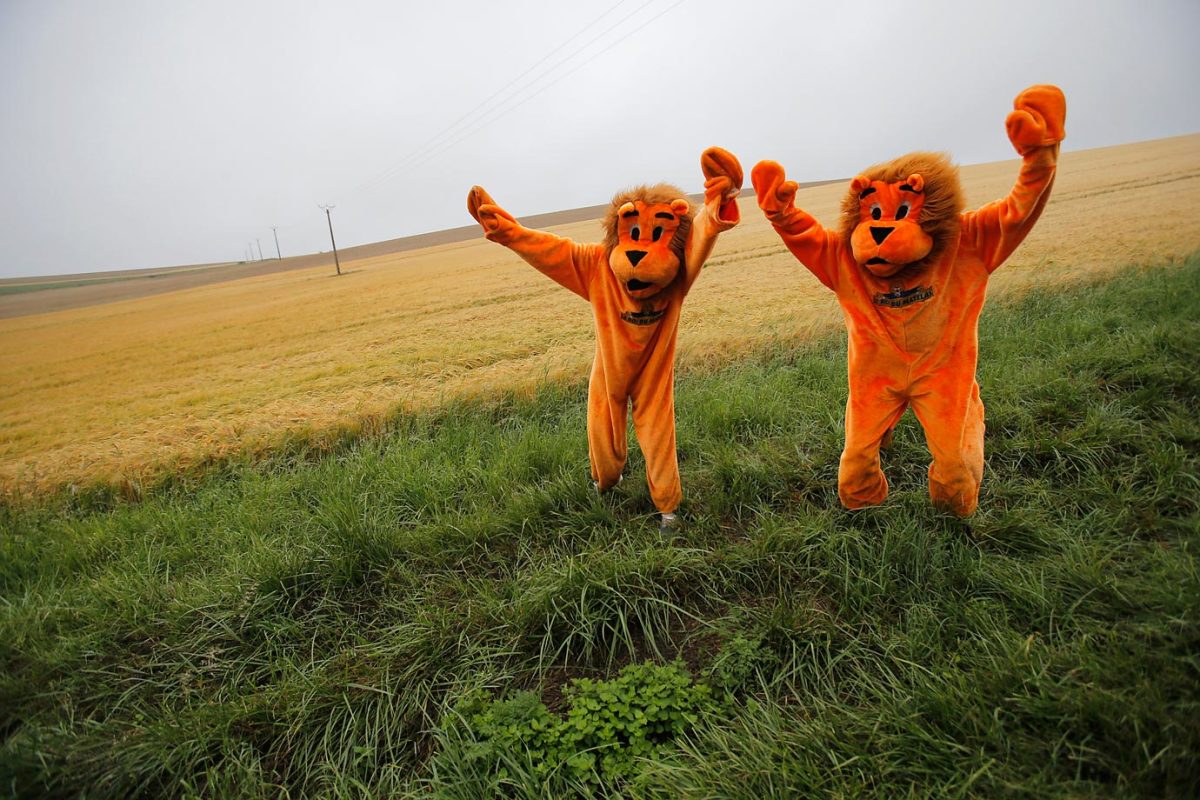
121,392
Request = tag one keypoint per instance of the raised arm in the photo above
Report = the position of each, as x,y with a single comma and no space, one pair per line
817,248
723,182
558,258
1035,127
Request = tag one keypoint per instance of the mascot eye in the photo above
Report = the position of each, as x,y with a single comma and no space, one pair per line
635,232
902,211
657,233
876,211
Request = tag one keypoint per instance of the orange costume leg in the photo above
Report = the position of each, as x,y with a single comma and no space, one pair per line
654,423
952,416
607,442
872,410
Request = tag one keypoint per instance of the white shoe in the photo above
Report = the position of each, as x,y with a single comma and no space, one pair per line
670,523
596,484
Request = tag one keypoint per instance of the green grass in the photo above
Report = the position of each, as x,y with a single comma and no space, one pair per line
22,288
315,625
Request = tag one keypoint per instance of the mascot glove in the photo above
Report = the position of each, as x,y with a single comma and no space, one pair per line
1038,118
722,173
776,195
495,220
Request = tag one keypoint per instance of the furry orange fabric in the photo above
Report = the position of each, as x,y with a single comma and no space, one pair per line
636,281
910,270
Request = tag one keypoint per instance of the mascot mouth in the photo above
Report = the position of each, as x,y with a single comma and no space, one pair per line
877,260
635,285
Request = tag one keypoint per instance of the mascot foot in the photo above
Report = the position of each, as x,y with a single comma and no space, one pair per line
670,523
596,485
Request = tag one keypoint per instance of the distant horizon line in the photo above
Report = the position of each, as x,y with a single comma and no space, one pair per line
428,238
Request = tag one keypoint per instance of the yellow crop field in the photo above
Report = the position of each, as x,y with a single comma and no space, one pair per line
120,392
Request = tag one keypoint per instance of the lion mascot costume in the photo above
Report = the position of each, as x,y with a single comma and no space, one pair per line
910,270
636,281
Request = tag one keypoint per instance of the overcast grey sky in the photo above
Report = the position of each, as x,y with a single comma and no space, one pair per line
139,133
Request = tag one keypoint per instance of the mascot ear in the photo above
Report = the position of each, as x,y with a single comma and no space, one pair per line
859,183
916,182
680,207
625,209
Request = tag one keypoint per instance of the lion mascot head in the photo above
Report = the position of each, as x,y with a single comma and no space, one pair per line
902,213
645,234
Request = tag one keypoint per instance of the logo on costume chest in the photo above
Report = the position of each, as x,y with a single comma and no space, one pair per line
642,317
899,298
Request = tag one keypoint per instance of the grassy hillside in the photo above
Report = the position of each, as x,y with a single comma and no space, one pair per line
337,625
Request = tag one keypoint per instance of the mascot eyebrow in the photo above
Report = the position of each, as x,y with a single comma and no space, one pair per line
910,270
635,280
870,190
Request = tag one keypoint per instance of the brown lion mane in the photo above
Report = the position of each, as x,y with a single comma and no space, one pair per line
943,197
650,195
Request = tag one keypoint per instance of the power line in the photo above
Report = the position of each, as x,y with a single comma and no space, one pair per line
484,122
445,140
387,173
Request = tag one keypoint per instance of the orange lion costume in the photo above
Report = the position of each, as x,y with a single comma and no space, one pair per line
636,281
910,270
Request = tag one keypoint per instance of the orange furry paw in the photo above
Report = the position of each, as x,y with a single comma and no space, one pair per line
776,195
492,217
722,172
1038,118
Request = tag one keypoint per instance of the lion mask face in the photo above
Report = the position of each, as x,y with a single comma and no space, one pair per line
902,213
889,237
643,259
647,231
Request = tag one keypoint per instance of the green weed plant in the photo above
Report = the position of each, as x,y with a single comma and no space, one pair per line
610,729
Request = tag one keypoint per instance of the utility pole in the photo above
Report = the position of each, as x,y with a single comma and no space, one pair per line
278,257
337,264
260,258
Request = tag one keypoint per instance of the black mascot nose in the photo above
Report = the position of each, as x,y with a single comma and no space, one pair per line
635,256
879,234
